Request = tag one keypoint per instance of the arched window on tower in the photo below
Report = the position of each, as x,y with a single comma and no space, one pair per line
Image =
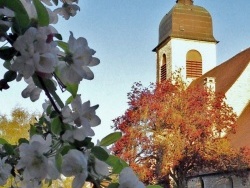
164,68
193,64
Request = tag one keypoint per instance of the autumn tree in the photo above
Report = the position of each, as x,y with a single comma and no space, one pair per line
17,125
171,131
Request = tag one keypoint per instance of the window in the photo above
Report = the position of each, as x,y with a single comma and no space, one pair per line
193,64
164,68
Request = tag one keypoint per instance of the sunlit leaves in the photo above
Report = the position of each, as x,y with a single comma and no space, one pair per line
100,153
56,125
72,88
116,163
42,13
17,126
63,45
110,139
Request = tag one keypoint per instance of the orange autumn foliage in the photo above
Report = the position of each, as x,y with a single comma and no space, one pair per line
173,131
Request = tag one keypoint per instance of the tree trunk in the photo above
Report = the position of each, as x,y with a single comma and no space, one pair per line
165,182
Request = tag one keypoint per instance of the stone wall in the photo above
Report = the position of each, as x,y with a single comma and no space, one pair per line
217,181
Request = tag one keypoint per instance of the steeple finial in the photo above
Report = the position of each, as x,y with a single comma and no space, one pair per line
185,2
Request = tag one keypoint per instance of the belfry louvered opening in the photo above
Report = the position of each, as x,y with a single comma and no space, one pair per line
193,64
164,68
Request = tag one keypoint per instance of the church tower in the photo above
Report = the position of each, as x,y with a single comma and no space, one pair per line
186,41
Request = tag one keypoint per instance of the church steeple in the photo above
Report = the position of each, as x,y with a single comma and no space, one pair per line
185,41
185,2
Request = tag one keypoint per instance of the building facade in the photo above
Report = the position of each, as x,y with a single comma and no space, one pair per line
186,42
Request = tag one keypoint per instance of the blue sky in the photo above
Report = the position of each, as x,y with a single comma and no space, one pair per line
123,33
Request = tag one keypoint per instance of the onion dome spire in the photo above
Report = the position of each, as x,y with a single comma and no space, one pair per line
185,2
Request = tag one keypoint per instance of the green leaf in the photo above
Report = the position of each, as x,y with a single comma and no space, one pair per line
53,114
7,53
49,109
117,164
63,45
64,150
113,185
2,3
72,88
85,143
21,16
10,76
56,125
42,13
110,139
58,159
69,100
32,130
22,140
100,153
9,149
3,141
57,98
58,36
7,64
35,129
49,84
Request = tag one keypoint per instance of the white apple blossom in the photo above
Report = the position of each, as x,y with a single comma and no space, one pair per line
31,90
78,59
36,53
83,113
67,10
77,133
5,169
53,17
30,8
101,168
74,163
128,179
33,160
82,117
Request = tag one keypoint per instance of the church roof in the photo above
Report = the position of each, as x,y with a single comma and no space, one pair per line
226,73
241,138
186,21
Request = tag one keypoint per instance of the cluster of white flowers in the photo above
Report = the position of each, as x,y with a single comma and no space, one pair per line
4,171
60,141
77,60
128,179
35,53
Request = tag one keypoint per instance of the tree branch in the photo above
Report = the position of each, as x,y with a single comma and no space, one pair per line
48,94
